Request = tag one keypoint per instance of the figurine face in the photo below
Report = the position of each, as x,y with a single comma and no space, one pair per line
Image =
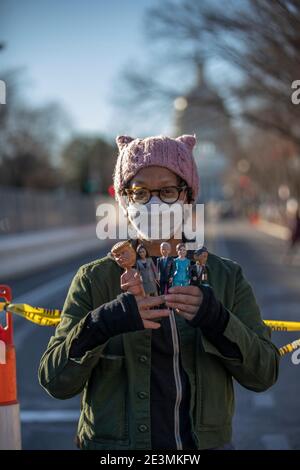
125,257
202,258
142,253
165,249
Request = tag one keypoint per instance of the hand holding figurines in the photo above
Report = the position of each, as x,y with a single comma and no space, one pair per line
183,298
125,256
131,281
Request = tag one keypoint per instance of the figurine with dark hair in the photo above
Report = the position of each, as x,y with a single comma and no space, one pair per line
147,270
165,268
198,271
182,263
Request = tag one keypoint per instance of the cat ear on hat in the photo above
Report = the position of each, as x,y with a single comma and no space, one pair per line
123,140
188,140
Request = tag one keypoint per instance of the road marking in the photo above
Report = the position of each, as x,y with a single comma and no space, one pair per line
264,400
275,442
49,416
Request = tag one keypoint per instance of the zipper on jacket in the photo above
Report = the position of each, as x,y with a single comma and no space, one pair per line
177,380
198,379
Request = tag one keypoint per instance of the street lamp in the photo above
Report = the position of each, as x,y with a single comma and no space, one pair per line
180,103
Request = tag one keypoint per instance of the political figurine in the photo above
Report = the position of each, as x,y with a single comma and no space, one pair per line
125,256
147,270
182,264
165,268
198,271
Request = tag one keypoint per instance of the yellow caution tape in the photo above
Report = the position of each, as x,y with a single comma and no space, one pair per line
37,315
51,317
289,347
283,325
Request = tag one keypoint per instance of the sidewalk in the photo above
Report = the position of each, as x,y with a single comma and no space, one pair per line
27,252
275,230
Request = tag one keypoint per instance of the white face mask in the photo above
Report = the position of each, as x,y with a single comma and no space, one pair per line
156,220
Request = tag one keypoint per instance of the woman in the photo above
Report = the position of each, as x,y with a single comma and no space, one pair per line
147,269
182,272
144,384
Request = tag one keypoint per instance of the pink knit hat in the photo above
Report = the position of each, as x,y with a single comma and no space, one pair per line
174,154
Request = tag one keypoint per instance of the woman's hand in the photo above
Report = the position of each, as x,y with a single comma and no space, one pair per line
148,313
131,281
186,300
145,304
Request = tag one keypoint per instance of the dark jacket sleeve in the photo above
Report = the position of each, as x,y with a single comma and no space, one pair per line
257,368
106,321
212,317
63,376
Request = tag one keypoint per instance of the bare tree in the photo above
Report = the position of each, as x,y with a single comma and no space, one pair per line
30,140
88,164
258,38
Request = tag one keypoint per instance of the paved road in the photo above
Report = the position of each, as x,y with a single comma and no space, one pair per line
270,420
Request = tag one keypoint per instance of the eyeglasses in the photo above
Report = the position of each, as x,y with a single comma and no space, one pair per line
169,194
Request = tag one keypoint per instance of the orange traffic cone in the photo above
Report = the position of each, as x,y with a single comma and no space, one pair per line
10,429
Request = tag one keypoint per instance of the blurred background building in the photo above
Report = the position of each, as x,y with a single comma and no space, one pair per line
200,112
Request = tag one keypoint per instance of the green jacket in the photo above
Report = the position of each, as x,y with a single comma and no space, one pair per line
114,378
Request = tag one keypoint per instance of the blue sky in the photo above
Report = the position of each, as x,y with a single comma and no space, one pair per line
72,52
